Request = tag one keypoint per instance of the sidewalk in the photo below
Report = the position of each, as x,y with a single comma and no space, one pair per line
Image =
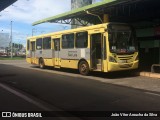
148,74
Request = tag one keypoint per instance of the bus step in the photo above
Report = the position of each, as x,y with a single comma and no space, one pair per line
99,66
56,66
99,61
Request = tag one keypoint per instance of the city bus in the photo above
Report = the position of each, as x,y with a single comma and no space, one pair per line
105,47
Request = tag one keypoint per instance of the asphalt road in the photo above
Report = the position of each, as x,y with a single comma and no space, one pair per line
11,102
73,93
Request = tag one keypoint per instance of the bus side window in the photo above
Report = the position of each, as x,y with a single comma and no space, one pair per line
68,41
39,44
47,43
82,40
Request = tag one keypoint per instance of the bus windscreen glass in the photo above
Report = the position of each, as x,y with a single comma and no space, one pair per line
121,39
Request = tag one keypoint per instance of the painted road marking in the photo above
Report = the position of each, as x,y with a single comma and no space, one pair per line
25,97
34,102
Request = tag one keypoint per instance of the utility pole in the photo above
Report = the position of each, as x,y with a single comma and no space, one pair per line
33,31
11,42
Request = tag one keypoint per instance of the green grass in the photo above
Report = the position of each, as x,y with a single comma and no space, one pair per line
14,58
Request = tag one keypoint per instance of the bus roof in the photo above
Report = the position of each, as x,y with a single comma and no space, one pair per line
71,30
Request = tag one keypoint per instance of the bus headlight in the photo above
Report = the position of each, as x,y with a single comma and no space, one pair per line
112,59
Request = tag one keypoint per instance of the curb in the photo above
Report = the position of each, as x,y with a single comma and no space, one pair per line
149,74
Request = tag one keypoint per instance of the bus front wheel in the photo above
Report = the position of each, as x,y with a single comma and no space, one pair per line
83,68
41,64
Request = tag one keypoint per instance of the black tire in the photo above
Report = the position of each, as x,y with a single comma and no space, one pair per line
41,63
83,68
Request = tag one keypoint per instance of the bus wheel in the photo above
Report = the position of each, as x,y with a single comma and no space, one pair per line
41,64
83,68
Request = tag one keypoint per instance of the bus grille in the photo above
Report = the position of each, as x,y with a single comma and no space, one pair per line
125,65
130,57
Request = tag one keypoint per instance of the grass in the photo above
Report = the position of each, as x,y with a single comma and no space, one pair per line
14,58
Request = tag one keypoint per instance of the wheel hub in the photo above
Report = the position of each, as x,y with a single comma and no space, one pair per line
83,67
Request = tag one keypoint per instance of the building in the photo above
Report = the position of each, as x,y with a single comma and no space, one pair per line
2,50
4,43
80,3
77,4
4,40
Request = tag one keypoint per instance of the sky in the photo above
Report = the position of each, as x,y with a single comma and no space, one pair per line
24,12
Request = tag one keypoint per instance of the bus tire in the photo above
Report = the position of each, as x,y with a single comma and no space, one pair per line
83,68
41,63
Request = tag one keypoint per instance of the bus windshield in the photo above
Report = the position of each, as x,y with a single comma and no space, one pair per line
121,39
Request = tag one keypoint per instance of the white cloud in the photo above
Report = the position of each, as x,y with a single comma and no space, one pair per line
17,35
29,11
24,12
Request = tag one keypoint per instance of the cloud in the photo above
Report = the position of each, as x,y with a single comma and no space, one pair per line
29,11
24,12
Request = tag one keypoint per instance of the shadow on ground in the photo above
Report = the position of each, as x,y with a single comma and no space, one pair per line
110,75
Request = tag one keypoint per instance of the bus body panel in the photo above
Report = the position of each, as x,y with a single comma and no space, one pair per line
72,56
39,53
118,67
48,62
75,54
124,62
48,54
69,63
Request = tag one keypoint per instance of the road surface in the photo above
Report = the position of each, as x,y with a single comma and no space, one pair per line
75,93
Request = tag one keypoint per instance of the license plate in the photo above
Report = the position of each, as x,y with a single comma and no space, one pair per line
122,61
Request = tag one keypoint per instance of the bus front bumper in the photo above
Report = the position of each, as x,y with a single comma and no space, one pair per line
122,66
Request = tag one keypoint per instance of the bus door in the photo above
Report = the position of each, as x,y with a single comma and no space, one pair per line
96,51
32,51
56,52
28,52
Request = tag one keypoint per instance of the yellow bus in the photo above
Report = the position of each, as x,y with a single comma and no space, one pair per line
105,47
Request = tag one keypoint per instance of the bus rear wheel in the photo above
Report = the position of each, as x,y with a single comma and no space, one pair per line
41,63
83,68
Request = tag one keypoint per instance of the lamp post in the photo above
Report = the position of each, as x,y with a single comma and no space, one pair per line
11,42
